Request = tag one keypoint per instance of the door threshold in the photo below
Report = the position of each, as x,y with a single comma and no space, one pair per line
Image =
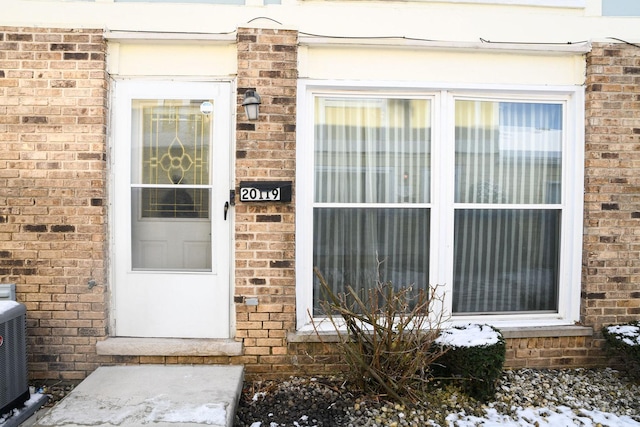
131,346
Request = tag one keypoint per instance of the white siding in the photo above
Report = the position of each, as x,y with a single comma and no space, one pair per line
537,21
136,59
441,66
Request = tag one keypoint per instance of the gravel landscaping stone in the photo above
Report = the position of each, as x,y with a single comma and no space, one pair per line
329,401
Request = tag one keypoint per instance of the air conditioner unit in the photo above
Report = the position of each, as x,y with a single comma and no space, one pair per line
7,292
14,382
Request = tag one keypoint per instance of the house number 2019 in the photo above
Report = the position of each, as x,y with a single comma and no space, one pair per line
249,194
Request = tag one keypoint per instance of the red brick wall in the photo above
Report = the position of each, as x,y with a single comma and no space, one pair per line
53,94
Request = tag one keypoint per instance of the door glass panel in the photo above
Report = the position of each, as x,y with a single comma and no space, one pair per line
174,203
171,188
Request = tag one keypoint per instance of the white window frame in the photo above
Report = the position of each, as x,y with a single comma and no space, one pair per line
541,3
571,4
442,204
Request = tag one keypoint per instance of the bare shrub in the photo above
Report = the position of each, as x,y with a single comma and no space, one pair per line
387,337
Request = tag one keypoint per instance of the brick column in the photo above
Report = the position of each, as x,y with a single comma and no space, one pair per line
265,232
53,112
611,290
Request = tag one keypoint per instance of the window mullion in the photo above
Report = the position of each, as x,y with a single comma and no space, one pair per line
442,182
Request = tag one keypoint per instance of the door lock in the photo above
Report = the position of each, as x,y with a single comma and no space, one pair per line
230,202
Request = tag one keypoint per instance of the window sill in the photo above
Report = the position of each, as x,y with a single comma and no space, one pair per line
576,4
547,331
168,347
508,333
570,4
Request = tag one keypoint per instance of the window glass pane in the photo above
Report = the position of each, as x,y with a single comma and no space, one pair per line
508,152
170,155
349,242
620,8
372,150
170,143
169,240
506,260
174,202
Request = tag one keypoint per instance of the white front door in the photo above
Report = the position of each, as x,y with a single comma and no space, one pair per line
171,231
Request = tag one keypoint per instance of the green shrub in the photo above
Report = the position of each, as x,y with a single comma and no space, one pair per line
474,359
624,340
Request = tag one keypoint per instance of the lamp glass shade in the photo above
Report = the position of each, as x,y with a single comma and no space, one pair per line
251,104
252,111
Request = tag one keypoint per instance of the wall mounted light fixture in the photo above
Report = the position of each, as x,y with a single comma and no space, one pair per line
251,104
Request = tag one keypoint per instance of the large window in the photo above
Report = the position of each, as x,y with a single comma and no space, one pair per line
473,193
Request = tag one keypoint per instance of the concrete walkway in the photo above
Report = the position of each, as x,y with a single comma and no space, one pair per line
151,395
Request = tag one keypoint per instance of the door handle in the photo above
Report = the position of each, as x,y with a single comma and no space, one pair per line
226,210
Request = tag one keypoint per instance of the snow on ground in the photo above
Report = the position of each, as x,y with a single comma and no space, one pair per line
562,416
29,406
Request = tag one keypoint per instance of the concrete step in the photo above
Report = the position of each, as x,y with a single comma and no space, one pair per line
157,395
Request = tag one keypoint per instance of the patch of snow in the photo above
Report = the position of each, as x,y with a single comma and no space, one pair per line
204,414
470,335
630,333
158,409
607,419
102,411
561,416
165,410
34,400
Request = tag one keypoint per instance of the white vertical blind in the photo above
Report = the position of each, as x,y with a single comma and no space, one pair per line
507,217
372,162
372,199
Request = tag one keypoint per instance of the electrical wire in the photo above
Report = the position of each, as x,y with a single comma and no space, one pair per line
264,17
195,33
624,41
367,37
533,43
433,40
482,40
